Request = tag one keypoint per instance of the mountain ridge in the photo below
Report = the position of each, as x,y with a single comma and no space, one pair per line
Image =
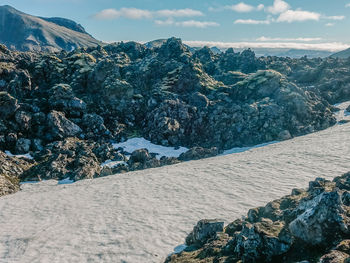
34,33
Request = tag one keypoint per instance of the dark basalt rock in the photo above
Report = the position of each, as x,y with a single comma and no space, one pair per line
204,230
10,170
60,126
164,93
8,105
73,158
197,153
307,226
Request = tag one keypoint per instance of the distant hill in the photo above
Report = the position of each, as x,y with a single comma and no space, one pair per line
342,54
23,32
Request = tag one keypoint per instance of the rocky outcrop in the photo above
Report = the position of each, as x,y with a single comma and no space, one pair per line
11,169
307,226
206,101
71,158
203,231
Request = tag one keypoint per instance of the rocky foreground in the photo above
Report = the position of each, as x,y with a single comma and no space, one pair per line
142,216
67,108
307,226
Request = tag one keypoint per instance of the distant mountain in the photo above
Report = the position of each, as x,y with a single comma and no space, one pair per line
342,54
25,32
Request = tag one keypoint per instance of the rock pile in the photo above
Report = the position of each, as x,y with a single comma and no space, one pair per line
307,226
204,101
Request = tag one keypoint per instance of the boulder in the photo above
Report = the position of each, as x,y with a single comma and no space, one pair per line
323,218
93,125
11,169
197,153
335,257
142,159
140,156
61,98
199,100
307,226
60,127
71,158
263,240
8,105
8,185
204,230
23,119
23,145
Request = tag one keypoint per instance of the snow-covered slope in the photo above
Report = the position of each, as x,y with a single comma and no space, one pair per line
141,216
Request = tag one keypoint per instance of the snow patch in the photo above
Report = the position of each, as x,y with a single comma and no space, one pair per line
178,249
139,143
244,149
65,181
29,182
342,114
25,156
112,164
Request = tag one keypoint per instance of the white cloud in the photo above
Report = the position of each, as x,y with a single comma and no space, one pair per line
298,39
131,13
188,23
298,16
240,7
200,24
167,22
333,46
334,17
279,6
135,13
347,5
330,24
252,22
179,13
260,7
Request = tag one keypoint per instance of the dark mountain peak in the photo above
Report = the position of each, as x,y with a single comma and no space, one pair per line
25,32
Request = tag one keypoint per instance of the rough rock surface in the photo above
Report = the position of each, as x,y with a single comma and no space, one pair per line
71,158
307,226
10,170
168,94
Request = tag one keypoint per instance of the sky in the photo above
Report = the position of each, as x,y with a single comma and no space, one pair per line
301,24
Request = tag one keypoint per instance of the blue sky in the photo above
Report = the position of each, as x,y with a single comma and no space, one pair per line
307,24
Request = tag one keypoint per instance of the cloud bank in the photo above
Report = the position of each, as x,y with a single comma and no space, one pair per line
135,13
332,47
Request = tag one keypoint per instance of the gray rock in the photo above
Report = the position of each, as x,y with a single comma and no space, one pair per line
197,153
199,100
11,169
24,120
60,127
204,230
284,135
334,257
23,145
61,98
8,105
322,219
